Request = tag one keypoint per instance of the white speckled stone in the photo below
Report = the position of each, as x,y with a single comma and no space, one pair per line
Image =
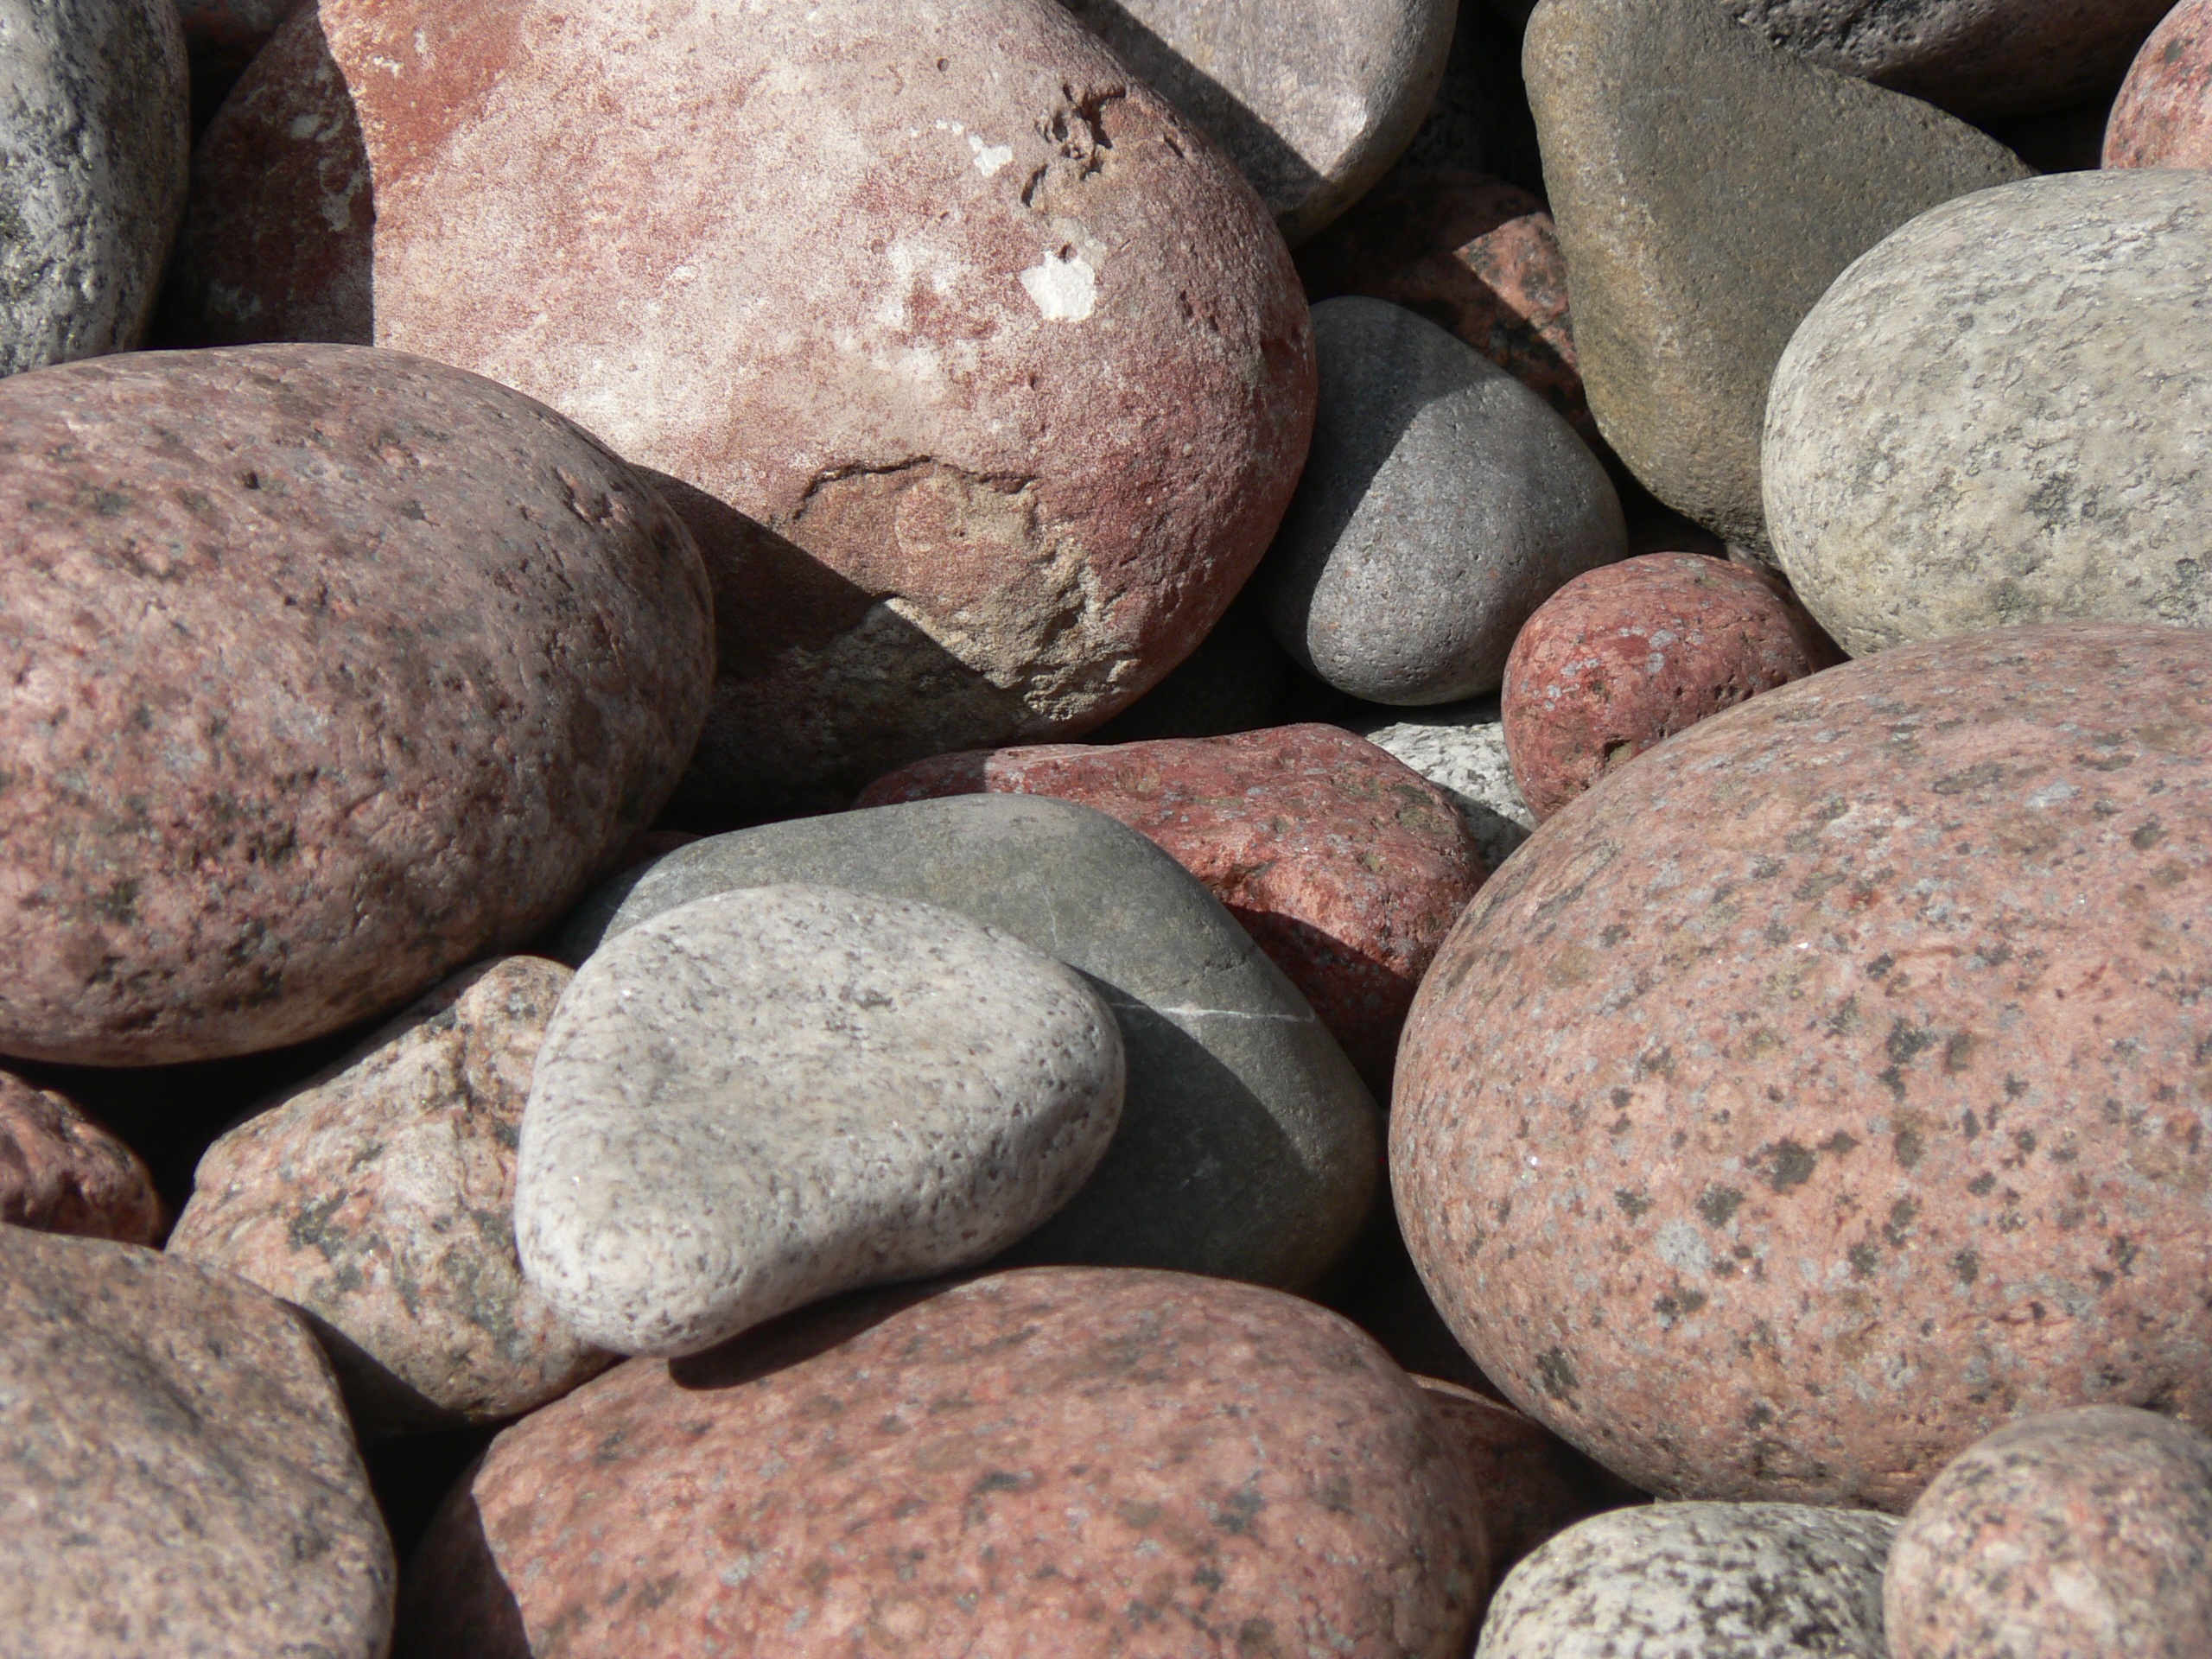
776,1094
1461,749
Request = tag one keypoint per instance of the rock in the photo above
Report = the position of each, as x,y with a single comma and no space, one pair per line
62,1172
221,38
1691,256
1624,658
1248,1148
1054,1460
1480,121
1530,1483
1746,1580
1851,1036
2085,1532
1234,682
1980,425
378,1197
376,664
982,377
93,143
1461,749
2164,115
176,1476
1442,503
1346,866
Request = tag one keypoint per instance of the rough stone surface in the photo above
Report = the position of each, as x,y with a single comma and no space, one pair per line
378,1197
1058,1460
1530,1483
1347,866
62,1172
2082,1532
1249,1148
1829,1085
177,1480
1624,658
1981,424
2163,117
981,375
1708,189
93,140
1668,1581
330,671
1442,503
221,38
1461,749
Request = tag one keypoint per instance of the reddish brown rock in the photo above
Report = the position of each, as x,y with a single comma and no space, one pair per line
1626,656
1347,866
379,1199
982,376
2085,1534
2164,114
1831,1085
62,1172
1055,1460
331,671
1530,1483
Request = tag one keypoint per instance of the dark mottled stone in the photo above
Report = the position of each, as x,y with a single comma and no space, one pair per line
62,1172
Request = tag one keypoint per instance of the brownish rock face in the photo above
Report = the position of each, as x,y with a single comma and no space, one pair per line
62,1172
1829,1085
1060,1459
1628,655
332,669
1345,865
983,378
2164,114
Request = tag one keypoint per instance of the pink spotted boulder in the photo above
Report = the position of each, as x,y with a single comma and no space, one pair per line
2164,115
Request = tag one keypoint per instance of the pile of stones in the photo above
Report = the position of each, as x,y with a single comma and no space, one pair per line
1373,827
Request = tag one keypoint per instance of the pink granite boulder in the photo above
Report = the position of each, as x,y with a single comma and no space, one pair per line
62,1172
2164,115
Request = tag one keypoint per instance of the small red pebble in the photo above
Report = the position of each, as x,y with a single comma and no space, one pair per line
2163,117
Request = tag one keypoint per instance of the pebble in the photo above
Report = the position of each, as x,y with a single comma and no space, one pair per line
177,1474
1623,658
1531,1485
335,759
1828,1086
1693,256
378,1197
1347,866
773,1095
1461,749
60,1172
2163,117
2024,339
1051,1460
1442,503
2084,1533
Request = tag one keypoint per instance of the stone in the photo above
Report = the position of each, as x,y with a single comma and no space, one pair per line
1311,105
773,1095
93,141
1045,1461
1531,1485
2163,117
1461,749
60,1172
1980,425
221,38
332,670
1346,866
1442,503
1746,1580
177,1474
2085,1532
1624,658
1708,189
981,375
1480,121
1249,1148
1848,1043
378,1198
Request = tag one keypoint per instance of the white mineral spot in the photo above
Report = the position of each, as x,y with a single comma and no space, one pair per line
1065,288
990,158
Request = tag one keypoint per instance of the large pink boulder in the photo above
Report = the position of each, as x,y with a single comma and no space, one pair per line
2163,117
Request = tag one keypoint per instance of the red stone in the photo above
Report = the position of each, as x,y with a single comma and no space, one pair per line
62,1172
2164,115
1347,866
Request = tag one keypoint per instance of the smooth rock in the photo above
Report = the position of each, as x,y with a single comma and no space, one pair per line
2085,1533
2163,117
1312,105
176,1473
773,1095
1982,423
1531,1485
221,38
1849,1042
982,377
1461,749
1249,1148
1708,189
1714,1580
331,672
1058,1460
1442,503
94,140
1623,658
1346,866
62,1172
378,1198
